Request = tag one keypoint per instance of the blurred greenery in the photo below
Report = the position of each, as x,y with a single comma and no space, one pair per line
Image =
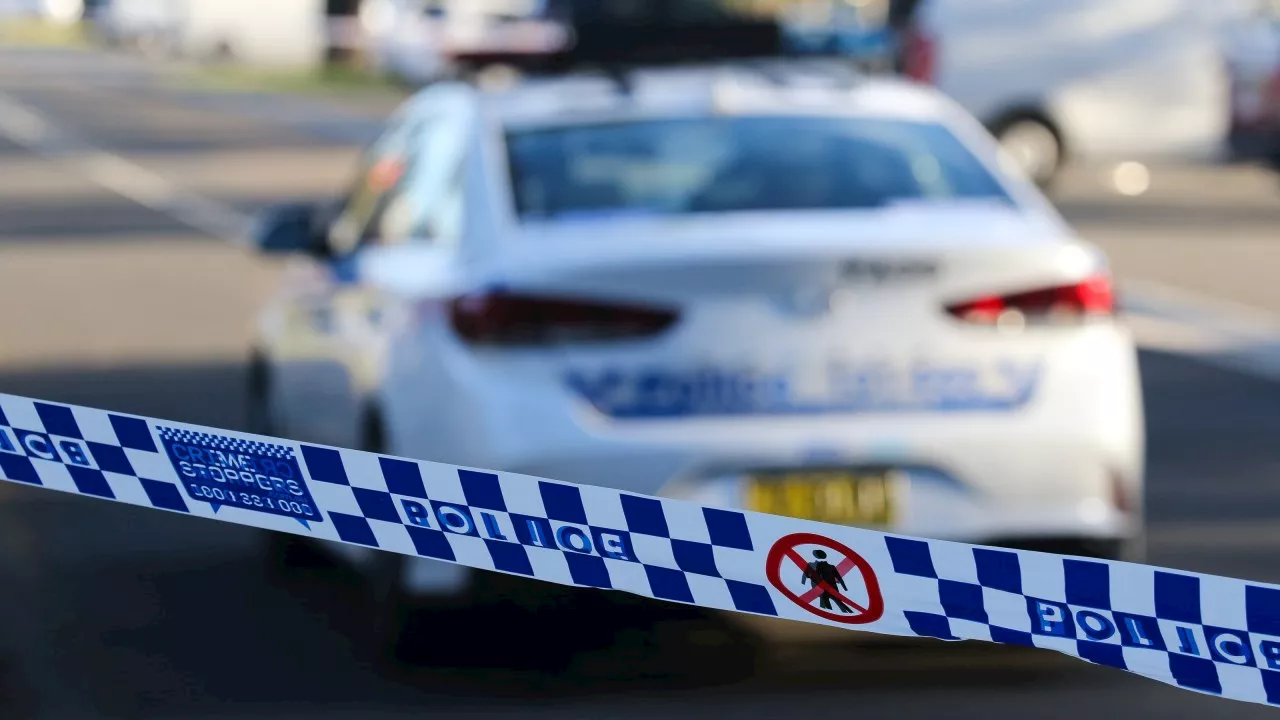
33,32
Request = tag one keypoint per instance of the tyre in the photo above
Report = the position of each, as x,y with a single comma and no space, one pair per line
257,402
390,611
1034,146
285,556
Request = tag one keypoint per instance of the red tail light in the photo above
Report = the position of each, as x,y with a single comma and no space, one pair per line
919,55
1091,297
501,318
1271,99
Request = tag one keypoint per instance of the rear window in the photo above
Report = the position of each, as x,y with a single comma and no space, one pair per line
710,165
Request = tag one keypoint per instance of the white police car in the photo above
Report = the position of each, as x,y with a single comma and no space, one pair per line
774,286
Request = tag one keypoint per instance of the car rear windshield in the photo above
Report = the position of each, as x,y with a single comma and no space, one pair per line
710,165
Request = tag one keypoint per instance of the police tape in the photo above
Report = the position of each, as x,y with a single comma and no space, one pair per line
1205,633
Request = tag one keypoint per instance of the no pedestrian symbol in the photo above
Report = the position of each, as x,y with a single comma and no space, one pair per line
826,578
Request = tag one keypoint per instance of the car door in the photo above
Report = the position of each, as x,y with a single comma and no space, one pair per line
325,312
406,194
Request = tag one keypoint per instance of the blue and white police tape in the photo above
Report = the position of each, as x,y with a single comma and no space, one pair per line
1205,633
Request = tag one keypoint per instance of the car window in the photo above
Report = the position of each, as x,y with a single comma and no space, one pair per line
705,165
389,222
425,204
379,170
442,220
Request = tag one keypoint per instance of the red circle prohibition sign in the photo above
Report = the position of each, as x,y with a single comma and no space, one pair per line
784,552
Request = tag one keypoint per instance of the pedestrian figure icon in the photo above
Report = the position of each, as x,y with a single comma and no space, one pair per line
835,576
826,576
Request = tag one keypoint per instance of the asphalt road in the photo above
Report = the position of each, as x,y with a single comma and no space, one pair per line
107,611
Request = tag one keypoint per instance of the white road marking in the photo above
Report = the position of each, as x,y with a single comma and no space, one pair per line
1214,330
1171,336
25,127
1228,316
20,125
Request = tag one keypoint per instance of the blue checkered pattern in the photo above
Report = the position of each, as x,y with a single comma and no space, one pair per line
553,531
230,444
562,533
89,452
1208,634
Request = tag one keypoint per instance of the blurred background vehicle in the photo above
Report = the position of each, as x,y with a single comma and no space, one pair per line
64,11
737,285
859,31
420,41
281,34
278,34
1088,80
1253,56
61,12
153,27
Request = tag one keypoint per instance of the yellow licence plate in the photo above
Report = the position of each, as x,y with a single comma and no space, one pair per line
843,497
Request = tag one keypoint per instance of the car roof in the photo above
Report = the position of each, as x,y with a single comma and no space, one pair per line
780,86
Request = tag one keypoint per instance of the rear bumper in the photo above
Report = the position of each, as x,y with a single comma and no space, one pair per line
1048,494
1068,465
984,485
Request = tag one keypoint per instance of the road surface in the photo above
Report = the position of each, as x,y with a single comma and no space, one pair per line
115,296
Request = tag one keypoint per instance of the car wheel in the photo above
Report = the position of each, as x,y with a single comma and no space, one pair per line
257,400
1034,146
390,609
284,555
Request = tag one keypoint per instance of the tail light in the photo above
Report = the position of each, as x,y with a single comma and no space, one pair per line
919,55
506,319
1271,99
1091,297
1120,495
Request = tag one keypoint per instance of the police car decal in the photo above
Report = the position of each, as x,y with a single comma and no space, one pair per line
834,388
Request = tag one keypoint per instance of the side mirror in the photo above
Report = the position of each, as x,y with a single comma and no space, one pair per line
288,229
